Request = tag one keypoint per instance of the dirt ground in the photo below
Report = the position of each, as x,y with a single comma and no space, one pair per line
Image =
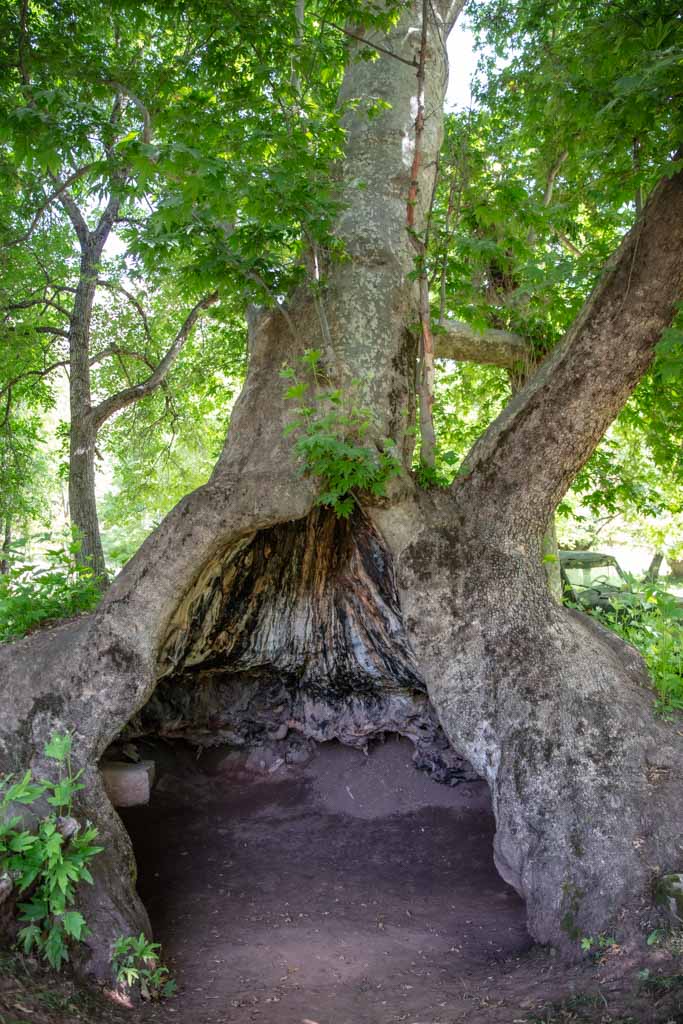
352,890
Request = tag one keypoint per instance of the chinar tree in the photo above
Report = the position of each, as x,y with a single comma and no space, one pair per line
252,593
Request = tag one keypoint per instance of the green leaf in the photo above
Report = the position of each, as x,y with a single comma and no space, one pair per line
29,937
55,949
22,842
58,747
74,924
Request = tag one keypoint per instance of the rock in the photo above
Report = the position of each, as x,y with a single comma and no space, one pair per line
280,733
261,759
6,886
669,894
128,785
67,827
299,754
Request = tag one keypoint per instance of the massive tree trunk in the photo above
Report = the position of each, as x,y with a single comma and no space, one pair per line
555,711
249,610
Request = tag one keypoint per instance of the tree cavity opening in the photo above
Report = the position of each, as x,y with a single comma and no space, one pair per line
290,844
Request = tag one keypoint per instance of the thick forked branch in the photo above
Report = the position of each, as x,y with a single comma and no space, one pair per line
127,396
73,212
528,457
457,340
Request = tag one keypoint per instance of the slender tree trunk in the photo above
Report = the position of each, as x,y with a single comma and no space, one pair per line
6,544
438,594
82,497
654,567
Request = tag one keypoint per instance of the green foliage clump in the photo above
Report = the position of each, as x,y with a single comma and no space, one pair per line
31,593
135,961
46,866
330,444
653,626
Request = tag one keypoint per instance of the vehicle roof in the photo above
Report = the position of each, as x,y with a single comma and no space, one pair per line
587,557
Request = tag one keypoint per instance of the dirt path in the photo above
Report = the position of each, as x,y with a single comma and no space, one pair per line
353,890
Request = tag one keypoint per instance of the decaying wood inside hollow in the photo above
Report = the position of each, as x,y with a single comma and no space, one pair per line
297,630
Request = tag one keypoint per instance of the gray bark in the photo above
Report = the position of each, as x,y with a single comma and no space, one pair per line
82,433
552,709
540,700
457,340
551,561
6,544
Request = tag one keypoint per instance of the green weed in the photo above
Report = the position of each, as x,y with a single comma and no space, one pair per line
135,961
46,866
330,433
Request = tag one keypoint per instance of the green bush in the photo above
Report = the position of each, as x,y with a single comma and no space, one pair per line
653,625
30,593
46,866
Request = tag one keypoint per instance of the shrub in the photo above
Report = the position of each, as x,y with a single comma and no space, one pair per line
653,626
47,865
135,961
30,594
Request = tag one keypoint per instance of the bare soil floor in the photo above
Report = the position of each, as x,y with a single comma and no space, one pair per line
353,890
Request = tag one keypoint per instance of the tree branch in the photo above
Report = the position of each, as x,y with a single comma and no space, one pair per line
48,329
115,287
72,210
128,396
548,192
45,372
528,457
492,347
137,102
106,222
373,46
48,202
568,244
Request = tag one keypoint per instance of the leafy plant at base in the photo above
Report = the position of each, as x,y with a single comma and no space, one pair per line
330,443
589,943
135,961
31,593
49,864
652,624
654,627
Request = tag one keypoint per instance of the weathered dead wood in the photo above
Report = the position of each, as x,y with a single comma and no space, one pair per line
457,340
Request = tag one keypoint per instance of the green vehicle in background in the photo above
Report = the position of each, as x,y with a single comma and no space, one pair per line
593,580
